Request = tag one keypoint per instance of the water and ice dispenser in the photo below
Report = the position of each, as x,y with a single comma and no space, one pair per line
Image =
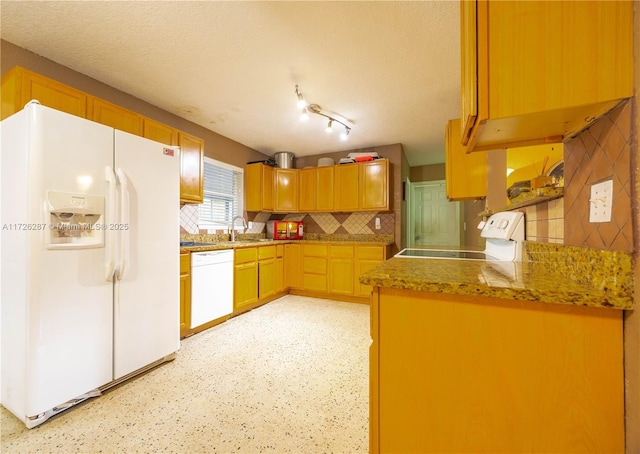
76,221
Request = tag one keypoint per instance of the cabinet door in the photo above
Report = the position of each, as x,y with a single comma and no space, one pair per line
258,187
340,272
280,274
286,190
374,185
117,117
268,188
361,267
292,266
191,168
185,294
266,278
466,173
468,65
19,86
345,197
307,190
324,188
245,284
159,132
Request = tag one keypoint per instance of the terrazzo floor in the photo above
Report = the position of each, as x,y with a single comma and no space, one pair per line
288,377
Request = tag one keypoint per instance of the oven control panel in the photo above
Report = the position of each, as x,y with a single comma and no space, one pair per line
506,225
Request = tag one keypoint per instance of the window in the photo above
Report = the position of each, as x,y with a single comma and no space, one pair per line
223,194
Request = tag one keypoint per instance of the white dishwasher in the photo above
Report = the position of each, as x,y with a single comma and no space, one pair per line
211,285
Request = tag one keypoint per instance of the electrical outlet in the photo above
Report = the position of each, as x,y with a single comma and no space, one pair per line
377,223
601,201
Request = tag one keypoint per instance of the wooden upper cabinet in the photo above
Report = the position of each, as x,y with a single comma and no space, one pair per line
539,80
258,187
466,173
191,168
374,185
346,187
19,86
159,132
307,180
117,117
324,189
286,190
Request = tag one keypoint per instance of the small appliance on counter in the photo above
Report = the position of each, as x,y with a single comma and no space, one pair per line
285,230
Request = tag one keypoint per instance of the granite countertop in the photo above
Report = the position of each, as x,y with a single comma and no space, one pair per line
220,244
530,280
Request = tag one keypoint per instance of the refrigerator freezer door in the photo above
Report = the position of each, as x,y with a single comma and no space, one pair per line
147,298
56,305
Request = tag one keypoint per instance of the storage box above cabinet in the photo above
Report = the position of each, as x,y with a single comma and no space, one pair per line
539,80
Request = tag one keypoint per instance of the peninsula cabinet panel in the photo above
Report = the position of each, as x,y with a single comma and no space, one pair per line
538,79
346,188
467,373
19,86
117,117
191,168
286,190
159,132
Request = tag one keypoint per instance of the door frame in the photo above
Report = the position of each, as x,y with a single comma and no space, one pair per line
411,211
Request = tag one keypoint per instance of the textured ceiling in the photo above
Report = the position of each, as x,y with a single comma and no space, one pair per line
392,68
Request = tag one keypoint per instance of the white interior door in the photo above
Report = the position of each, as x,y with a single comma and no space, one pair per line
435,220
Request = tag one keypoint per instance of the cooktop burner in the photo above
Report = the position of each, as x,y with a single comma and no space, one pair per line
444,254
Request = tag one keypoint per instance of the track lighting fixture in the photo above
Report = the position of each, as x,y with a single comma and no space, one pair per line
316,109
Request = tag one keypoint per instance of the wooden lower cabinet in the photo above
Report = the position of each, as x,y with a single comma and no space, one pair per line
460,373
314,267
341,270
366,258
266,271
185,294
280,268
245,277
293,266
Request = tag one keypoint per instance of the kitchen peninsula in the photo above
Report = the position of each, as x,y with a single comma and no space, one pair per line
470,356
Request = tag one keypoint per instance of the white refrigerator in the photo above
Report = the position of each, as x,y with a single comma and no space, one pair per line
89,275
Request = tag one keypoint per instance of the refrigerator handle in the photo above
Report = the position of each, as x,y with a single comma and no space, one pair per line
123,225
109,260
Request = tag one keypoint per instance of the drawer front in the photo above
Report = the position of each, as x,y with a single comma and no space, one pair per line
341,251
370,252
314,250
316,265
266,252
185,263
315,282
244,255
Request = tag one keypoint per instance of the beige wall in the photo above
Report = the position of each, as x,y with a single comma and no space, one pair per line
216,146
430,172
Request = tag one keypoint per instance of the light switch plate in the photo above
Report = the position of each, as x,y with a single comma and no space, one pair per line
601,201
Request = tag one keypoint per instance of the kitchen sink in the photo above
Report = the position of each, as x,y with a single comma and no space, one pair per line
195,244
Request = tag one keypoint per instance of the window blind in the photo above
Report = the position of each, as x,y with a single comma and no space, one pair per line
223,194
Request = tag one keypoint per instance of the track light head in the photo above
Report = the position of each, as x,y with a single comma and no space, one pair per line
316,109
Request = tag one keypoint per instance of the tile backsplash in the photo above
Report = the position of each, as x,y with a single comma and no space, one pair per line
600,152
357,223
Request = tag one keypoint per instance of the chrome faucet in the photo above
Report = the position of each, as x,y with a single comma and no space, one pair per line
232,227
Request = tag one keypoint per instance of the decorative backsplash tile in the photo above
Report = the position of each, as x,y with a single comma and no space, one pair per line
601,152
189,219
